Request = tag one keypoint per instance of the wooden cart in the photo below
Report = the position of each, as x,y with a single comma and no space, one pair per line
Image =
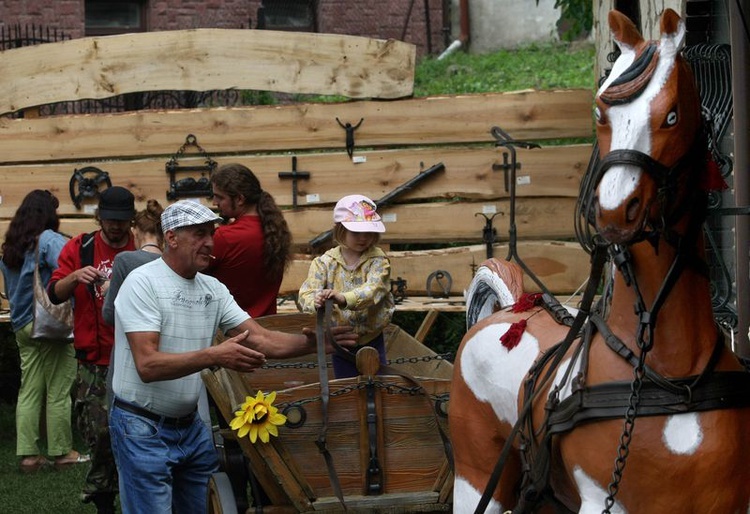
398,422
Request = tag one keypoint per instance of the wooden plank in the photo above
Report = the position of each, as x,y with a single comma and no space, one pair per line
468,174
223,394
203,60
427,322
528,115
392,503
433,223
561,266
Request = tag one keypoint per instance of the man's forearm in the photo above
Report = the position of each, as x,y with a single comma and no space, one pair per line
60,290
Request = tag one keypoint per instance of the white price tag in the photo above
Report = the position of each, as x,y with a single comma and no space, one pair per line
314,198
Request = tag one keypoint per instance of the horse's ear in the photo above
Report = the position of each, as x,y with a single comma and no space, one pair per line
624,30
672,26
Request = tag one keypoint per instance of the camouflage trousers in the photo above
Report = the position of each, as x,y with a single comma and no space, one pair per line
90,409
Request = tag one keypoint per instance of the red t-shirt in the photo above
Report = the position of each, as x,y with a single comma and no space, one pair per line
93,338
238,248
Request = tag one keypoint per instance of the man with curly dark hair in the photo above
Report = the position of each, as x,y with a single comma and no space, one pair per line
252,251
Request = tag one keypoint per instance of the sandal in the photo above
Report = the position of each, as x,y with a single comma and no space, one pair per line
73,457
33,464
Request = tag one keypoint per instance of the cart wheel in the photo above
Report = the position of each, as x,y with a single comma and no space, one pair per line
220,495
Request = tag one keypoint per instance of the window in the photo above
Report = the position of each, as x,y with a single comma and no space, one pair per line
105,17
294,15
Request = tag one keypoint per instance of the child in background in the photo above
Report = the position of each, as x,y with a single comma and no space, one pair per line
356,275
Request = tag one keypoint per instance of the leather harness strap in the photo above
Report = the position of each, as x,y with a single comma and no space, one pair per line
321,330
721,390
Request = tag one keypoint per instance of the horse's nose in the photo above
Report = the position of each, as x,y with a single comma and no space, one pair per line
620,224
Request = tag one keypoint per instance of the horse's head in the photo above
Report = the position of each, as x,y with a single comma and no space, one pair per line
647,122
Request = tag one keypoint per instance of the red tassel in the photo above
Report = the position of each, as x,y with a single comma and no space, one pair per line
712,179
512,337
526,302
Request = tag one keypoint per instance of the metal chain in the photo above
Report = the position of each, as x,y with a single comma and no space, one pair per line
191,140
623,449
399,360
388,388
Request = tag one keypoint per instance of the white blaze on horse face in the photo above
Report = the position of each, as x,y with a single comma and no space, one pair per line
592,495
466,499
630,125
682,433
493,373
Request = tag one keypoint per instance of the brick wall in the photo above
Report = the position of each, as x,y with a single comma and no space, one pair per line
64,15
383,19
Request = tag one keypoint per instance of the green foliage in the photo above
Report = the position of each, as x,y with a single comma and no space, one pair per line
576,18
543,67
258,98
444,336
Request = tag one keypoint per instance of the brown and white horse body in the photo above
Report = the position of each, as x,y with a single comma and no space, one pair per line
691,462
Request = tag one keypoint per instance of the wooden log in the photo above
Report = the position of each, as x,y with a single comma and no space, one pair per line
561,266
469,174
433,223
550,171
530,115
203,60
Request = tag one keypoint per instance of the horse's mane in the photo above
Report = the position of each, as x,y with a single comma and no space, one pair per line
631,83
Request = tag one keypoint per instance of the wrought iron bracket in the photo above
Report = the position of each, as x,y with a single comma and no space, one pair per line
85,182
489,234
398,289
189,186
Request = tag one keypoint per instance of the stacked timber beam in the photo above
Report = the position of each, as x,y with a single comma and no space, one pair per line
398,138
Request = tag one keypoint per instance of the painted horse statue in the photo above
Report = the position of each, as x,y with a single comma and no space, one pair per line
635,403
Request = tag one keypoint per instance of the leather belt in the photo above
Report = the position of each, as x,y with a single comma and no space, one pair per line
182,421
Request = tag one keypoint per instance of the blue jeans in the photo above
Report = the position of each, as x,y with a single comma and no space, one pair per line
162,468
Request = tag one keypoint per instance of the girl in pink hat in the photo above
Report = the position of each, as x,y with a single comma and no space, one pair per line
356,275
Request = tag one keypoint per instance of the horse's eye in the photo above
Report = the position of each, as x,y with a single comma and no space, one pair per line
671,119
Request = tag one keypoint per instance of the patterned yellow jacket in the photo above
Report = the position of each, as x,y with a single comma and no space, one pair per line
367,289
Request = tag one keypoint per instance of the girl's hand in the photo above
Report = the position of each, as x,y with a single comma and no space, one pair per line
324,294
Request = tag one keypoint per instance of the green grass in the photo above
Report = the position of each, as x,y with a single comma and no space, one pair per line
540,66
46,492
544,67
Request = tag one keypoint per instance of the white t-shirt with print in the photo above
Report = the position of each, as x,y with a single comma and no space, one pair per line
186,313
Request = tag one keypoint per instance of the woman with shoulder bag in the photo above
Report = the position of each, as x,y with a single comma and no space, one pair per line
47,367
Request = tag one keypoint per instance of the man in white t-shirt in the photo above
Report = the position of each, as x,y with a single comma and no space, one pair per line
166,316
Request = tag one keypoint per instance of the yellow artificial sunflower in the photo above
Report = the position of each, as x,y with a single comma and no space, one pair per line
258,417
